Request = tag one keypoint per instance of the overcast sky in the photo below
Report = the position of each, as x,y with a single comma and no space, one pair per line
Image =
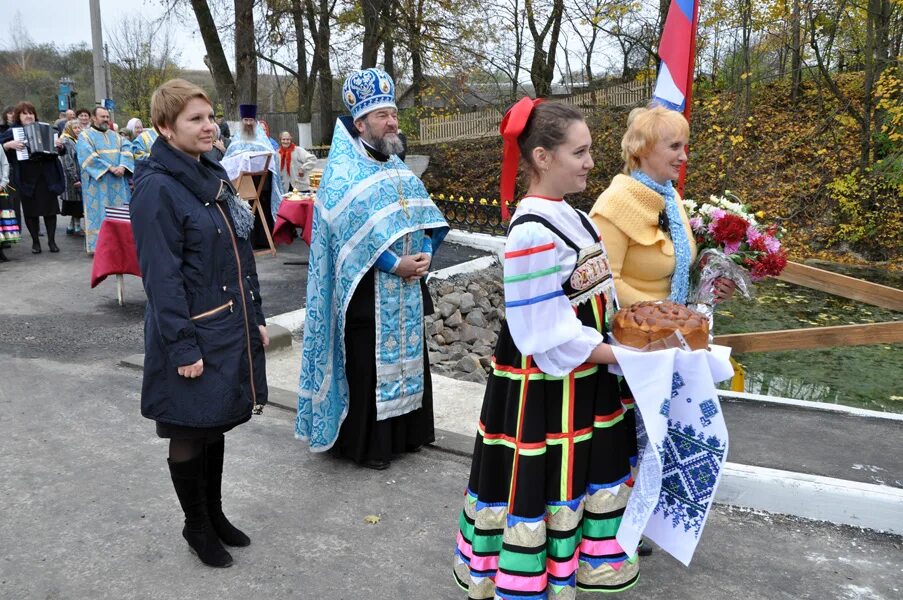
67,22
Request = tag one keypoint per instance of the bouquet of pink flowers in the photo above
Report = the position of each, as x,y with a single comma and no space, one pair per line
732,244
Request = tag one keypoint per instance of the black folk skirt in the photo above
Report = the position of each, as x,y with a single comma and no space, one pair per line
551,475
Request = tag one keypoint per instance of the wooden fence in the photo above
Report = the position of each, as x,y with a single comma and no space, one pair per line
621,94
485,123
826,337
461,126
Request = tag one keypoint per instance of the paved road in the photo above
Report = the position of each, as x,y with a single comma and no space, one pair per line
54,312
89,513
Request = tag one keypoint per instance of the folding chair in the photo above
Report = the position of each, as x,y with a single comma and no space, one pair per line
244,184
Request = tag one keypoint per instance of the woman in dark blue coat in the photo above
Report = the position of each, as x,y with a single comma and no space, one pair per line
204,331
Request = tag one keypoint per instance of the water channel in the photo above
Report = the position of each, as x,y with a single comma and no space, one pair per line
863,376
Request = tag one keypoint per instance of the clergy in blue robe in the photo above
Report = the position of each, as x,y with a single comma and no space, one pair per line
106,162
252,139
365,387
141,145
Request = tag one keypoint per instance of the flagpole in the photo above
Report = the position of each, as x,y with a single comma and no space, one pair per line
688,103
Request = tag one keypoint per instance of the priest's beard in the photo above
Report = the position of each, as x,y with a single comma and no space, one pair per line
101,127
388,144
248,132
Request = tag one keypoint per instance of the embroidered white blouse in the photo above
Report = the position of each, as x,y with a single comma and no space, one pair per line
541,319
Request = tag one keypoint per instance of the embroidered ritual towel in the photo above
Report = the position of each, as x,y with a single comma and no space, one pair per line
685,446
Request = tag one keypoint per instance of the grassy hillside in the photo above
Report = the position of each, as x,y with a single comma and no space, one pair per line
797,163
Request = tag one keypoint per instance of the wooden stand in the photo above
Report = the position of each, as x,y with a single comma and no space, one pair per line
244,184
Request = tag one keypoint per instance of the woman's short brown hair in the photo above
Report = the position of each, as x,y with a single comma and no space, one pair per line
24,107
645,127
170,99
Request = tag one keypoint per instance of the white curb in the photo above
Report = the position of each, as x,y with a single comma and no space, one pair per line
877,507
480,241
292,320
477,264
810,405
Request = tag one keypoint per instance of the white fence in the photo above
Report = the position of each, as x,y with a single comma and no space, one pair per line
485,123
461,126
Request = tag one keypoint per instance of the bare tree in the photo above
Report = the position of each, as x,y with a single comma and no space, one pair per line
215,59
143,57
542,68
875,55
21,45
503,57
796,53
374,19
245,53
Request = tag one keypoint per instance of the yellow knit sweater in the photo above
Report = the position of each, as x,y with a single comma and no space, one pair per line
641,255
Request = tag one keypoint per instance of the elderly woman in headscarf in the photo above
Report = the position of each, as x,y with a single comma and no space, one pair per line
73,207
135,126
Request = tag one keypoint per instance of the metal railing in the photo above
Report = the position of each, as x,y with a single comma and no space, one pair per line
478,216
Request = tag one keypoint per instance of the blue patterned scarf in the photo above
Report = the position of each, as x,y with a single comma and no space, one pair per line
680,280
242,217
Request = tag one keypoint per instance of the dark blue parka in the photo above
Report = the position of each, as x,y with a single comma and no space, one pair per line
203,297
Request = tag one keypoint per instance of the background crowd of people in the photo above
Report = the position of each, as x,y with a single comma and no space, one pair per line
81,180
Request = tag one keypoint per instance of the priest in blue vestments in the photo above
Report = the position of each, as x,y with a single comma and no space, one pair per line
253,140
106,162
141,145
365,389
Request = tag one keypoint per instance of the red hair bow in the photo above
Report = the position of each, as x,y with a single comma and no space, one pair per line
511,127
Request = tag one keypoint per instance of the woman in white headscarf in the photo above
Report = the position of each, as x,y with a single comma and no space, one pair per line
135,126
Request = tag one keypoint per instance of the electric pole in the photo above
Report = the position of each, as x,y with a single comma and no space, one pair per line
100,78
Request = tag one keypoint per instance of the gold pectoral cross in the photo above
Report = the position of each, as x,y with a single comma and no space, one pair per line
403,201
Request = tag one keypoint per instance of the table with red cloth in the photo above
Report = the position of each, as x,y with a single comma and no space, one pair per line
292,214
116,253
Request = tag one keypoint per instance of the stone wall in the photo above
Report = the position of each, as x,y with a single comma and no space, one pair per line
462,333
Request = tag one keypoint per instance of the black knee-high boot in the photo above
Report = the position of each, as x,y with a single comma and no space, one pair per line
50,225
34,229
188,479
228,533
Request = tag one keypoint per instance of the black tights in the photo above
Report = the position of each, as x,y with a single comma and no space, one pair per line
33,226
183,450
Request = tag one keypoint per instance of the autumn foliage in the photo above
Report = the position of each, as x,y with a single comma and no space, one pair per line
797,163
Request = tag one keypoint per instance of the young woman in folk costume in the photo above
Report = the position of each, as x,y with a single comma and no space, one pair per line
551,471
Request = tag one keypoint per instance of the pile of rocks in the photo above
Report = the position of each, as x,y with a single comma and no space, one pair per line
461,334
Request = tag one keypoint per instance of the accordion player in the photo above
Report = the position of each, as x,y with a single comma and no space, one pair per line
39,137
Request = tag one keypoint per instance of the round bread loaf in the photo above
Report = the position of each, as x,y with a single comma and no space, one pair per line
645,322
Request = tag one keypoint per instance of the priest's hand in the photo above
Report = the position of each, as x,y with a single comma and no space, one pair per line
264,336
413,266
192,371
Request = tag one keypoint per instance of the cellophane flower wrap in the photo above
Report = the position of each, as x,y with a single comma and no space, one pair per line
732,244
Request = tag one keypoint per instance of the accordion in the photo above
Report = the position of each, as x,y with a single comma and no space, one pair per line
40,138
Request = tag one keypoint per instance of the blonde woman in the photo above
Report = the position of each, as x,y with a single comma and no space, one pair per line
642,220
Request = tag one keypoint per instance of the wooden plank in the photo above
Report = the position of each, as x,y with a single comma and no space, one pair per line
814,337
843,286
